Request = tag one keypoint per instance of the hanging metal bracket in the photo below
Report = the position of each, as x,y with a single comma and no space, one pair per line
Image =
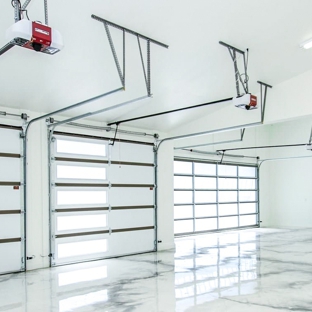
238,76
263,97
121,73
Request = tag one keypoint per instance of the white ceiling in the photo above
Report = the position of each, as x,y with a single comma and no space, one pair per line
195,69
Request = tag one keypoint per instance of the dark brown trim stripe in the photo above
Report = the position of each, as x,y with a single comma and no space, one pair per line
5,212
10,155
95,161
10,240
134,229
3,183
81,234
77,135
129,163
102,208
81,184
82,209
101,185
105,232
133,185
132,207
11,127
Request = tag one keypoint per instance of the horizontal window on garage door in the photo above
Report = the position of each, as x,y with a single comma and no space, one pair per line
79,171
79,147
80,197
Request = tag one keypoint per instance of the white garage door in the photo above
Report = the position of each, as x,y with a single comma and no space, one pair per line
11,201
102,198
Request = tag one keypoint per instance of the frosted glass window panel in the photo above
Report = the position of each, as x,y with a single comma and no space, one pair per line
205,197
65,223
205,169
206,224
229,184
205,183
80,148
183,182
183,226
248,208
247,184
183,197
81,197
226,170
248,220
227,196
66,250
80,172
247,196
205,211
228,222
228,209
247,172
183,212
183,167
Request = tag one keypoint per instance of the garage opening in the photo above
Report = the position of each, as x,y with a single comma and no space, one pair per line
102,198
212,196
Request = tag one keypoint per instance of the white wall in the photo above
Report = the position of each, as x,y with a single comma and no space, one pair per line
288,182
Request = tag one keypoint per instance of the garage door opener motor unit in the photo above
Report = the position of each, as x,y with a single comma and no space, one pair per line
35,36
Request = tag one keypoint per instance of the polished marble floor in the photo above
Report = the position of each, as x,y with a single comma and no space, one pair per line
249,270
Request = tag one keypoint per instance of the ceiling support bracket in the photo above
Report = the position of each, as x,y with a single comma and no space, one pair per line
147,70
238,76
111,43
263,97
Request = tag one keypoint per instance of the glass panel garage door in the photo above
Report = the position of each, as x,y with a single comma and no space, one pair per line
210,196
102,202
11,201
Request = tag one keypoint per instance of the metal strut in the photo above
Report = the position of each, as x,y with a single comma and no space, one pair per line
111,43
263,97
147,71
238,77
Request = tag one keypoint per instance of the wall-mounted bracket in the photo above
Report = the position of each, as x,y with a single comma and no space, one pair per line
122,73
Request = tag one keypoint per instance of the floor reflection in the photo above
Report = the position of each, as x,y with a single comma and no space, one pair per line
246,271
208,267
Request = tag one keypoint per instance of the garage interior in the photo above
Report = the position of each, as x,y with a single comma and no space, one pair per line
135,175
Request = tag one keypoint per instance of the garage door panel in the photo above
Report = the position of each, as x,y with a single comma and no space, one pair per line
10,141
131,218
131,174
101,214
11,201
75,249
131,196
131,242
10,169
10,198
10,226
11,255
131,152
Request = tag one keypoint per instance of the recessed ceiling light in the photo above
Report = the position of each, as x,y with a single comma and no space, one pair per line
306,44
